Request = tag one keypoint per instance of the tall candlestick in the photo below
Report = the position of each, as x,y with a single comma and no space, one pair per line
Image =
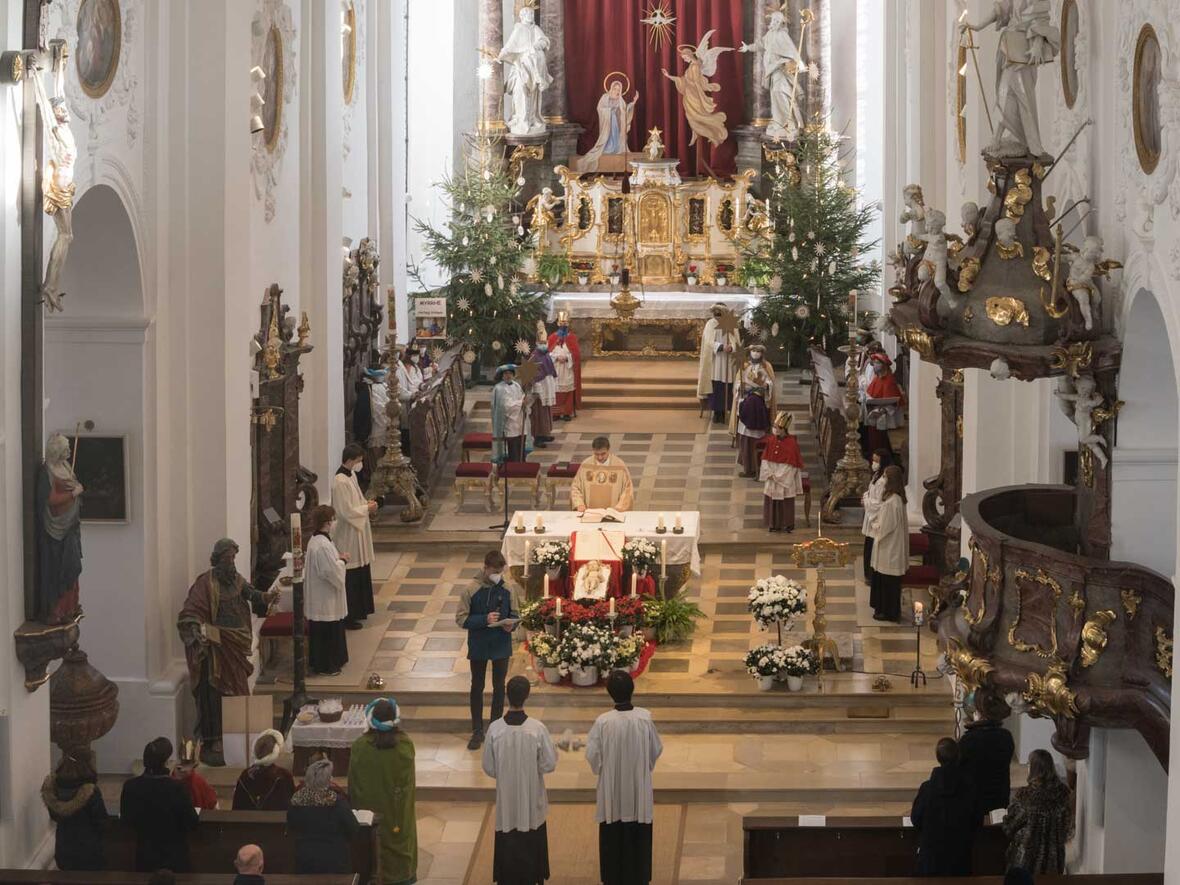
852,303
546,590
558,613
664,558
634,581
528,552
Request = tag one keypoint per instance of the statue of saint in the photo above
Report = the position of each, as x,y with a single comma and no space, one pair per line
57,184
527,75
59,535
695,89
218,636
781,63
1027,39
615,116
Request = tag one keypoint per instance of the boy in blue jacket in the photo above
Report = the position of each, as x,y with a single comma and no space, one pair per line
489,616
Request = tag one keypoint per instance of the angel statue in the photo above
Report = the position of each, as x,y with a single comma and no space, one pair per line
1086,413
1087,265
781,63
1027,39
527,76
615,116
542,208
57,184
694,87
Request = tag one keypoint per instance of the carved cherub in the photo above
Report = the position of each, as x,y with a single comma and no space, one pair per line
971,216
1087,265
934,261
1006,243
1000,369
1085,401
914,215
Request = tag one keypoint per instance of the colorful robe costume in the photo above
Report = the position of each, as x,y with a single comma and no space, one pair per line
568,404
782,471
382,781
512,437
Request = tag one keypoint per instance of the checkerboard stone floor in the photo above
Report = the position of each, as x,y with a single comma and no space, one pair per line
672,472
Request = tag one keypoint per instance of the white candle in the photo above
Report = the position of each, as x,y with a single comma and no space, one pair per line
660,521
664,558
558,608
634,581
528,553
520,520
546,591
539,523
679,522
612,606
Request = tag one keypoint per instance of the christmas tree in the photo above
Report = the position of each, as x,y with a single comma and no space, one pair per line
807,256
482,250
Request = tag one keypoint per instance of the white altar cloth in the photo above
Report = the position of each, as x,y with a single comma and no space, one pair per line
692,304
561,524
329,735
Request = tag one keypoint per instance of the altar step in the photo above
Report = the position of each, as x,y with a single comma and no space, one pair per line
642,385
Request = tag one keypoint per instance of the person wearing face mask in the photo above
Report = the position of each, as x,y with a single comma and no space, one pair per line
603,481
354,535
782,473
567,360
716,370
326,599
753,404
409,381
488,614
871,502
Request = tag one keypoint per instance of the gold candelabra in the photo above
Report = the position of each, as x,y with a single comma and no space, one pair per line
852,474
819,554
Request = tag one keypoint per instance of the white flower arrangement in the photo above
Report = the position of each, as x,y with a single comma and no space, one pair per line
545,649
640,553
626,652
585,645
552,554
776,600
765,660
799,661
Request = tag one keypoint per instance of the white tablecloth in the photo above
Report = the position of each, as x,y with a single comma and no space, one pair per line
656,305
330,735
561,524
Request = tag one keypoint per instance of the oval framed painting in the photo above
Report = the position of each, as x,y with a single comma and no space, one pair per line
1070,22
349,39
272,111
100,38
1145,99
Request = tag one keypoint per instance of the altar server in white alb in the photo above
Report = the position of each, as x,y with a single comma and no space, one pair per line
717,363
622,749
518,752
327,600
354,535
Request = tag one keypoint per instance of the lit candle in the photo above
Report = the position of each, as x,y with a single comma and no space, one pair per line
634,581
612,606
679,524
664,558
528,553
546,590
660,521
918,612
558,612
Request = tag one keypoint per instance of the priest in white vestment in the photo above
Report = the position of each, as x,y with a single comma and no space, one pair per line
717,362
622,749
326,604
354,535
518,752
603,481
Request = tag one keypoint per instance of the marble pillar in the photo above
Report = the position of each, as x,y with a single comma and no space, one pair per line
555,106
491,39
819,51
760,106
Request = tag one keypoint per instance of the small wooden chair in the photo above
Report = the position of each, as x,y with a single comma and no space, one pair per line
522,472
479,476
556,475
278,629
475,442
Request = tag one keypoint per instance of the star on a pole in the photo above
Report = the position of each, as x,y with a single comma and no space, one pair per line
527,372
727,322
660,21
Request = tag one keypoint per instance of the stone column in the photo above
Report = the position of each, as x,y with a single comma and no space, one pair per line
491,40
760,108
556,103
819,51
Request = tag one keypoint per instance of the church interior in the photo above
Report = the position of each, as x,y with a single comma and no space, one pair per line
783,362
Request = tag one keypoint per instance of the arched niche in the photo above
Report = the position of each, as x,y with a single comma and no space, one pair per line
1143,516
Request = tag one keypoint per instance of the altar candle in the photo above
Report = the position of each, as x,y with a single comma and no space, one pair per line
664,558
546,590
918,612
558,612
852,303
528,552
520,520
679,522
539,523
660,521
634,580
612,606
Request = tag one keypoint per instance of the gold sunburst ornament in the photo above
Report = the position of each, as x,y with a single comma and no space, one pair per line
660,22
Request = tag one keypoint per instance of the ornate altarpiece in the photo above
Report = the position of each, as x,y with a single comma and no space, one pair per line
363,315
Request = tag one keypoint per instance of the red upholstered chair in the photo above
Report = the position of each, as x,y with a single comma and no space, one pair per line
564,471
920,546
476,442
276,630
920,576
477,475
522,472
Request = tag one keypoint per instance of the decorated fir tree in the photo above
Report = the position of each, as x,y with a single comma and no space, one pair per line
807,259
483,249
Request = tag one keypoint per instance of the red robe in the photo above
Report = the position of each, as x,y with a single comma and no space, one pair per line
203,795
571,341
884,387
783,450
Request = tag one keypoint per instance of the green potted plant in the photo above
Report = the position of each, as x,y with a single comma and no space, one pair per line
673,619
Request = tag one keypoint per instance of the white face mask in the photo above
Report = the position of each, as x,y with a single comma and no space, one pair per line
495,577
876,466
414,359
356,466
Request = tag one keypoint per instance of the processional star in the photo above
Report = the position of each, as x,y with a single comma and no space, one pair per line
660,20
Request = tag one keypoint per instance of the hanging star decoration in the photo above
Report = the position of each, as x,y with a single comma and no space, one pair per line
522,347
463,304
477,276
660,21
436,353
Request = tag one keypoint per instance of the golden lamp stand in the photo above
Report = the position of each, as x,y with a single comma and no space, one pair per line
819,554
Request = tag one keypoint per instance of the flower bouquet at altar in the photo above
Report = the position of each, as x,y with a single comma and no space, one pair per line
797,663
552,556
764,663
583,649
547,656
776,600
641,554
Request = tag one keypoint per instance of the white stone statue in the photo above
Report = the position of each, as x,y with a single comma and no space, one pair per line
527,74
781,64
1027,39
970,216
1007,244
1085,400
934,260
1000,369
1080,282
57,183
914,215
615,116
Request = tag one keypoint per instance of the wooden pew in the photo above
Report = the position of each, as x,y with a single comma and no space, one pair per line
1108,879
848,846
435,415
55,877
216,840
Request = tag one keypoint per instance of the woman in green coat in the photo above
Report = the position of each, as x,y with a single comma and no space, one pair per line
381,779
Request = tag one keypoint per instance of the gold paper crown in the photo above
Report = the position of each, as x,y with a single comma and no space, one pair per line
189,751
783,420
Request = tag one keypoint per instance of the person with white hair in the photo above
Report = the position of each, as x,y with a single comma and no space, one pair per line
265,785
321,822
249,863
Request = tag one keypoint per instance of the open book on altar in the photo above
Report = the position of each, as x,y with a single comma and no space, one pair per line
608,514
605,546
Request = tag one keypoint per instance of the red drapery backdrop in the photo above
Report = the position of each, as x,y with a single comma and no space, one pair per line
607,35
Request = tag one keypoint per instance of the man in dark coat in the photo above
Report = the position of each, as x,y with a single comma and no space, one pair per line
946,816
986,749
160,811
480,613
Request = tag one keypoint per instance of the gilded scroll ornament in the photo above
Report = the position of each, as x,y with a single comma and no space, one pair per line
1050,693
973,671
1131,601
1003,311
1019,195
968,313
1008,253
1163,651
1073,358
968,271
988,575
919,341
1043,580
1094,636
1041,263
1077,601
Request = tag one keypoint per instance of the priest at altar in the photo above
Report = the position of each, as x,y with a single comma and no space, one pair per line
603,481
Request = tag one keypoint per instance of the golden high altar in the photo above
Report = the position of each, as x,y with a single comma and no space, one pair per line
660,230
